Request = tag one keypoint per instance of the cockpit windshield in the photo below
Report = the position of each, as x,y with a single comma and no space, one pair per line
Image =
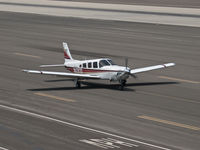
111,62
103,63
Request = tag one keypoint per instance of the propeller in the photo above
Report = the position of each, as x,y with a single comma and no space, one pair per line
126,65
126,62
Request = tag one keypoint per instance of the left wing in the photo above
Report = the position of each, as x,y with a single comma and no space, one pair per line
57,65
63,74
139,70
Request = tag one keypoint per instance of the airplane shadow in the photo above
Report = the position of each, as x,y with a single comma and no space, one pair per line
58,80
92,85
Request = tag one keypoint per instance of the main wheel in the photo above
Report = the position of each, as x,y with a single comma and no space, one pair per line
121,87
77,84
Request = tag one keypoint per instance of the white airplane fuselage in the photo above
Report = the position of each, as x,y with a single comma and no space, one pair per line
108,71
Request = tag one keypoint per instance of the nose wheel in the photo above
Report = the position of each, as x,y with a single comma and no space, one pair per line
122,84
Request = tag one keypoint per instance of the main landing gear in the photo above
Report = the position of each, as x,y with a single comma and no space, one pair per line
122,84
77,83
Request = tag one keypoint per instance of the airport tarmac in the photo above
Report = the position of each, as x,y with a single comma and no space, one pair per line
158,110
168,3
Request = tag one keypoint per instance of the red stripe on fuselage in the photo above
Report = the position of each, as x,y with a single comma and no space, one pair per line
86,70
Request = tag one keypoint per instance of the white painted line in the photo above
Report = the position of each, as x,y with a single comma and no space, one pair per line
2,148
108,143
27,55
94,144
79,126
121,143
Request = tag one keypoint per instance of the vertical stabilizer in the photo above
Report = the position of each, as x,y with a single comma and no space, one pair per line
67,54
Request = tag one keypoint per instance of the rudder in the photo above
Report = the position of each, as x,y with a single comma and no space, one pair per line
67,54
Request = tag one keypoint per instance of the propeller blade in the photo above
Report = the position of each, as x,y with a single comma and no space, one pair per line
126,62
134,76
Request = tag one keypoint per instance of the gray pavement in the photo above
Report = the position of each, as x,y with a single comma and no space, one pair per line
101,11
161,107
168,3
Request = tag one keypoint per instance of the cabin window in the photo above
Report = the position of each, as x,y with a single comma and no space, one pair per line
80,66
84,65
103,63
89,65
95,65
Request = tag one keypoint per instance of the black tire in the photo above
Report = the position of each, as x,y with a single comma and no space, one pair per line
78,84
122,84
121,87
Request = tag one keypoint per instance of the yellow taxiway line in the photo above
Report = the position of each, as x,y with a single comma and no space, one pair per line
55,97
27,55
180,80
170,123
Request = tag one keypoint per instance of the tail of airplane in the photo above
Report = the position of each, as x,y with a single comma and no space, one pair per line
67,57
67,54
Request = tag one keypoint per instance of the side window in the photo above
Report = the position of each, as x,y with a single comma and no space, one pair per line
89,65
80,66
84,65
95,65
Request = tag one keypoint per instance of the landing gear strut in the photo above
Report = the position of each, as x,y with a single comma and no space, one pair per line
122,84
77,83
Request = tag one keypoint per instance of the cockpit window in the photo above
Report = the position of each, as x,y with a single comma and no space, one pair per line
103,63
111,62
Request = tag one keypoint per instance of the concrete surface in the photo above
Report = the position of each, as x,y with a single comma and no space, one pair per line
119,12
170,97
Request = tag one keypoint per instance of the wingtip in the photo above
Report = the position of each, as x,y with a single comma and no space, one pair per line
24,70
170,64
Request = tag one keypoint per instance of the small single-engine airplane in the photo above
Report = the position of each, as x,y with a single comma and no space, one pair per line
103,68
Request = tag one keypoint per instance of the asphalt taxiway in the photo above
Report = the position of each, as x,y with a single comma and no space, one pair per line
158,110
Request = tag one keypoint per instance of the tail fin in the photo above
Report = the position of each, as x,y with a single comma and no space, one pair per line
67,54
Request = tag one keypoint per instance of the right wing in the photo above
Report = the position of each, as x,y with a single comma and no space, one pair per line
139,70
63,74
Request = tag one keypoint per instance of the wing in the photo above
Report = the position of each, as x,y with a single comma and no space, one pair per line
57,65
63,74
139,70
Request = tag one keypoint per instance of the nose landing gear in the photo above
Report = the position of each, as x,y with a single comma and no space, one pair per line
122,84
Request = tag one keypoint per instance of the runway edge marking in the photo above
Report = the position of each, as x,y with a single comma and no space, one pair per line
79,126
